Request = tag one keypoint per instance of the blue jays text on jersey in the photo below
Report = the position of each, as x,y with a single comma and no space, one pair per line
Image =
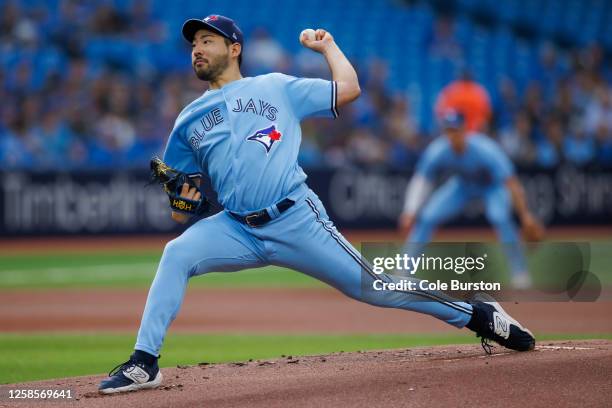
246,137
265,108
210,120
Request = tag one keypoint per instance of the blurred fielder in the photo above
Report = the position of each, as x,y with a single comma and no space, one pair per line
479,170
244,133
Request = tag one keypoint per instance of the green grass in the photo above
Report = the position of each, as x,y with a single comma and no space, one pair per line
125,270
29,357
39,356
136,269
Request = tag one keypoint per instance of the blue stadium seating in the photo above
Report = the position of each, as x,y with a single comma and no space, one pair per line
394,31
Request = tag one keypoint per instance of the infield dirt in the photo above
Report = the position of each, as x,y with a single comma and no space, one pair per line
555,374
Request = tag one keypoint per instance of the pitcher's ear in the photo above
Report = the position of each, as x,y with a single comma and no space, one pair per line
236,49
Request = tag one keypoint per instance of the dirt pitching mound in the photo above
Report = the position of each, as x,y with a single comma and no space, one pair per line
557,374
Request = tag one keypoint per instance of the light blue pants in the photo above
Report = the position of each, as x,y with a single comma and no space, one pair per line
451,198
302,238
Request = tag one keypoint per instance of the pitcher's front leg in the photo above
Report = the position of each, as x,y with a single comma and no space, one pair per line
215,244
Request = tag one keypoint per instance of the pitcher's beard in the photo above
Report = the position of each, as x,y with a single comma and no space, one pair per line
213,71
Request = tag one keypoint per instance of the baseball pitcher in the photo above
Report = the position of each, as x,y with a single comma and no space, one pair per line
244,133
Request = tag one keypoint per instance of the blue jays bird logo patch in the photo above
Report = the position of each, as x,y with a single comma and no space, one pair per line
266,137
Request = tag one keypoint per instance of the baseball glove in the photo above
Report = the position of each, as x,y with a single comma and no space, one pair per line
533,231
172,180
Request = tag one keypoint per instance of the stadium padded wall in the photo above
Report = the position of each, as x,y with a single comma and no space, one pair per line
122,203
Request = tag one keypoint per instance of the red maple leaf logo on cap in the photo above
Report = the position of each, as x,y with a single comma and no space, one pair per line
275,135
212,18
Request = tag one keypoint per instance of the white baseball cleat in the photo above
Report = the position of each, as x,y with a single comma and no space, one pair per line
491,322
131,376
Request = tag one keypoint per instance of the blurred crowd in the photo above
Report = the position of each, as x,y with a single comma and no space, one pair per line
565,115
62,108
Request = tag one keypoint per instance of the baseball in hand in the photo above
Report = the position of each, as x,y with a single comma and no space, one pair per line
308,34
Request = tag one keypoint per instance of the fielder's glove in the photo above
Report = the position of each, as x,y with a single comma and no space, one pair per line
172,180
532,230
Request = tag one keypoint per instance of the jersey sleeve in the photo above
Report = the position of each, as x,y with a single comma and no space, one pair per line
179,155
500,165
311,97
430,161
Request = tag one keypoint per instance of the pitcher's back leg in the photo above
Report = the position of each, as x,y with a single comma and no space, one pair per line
314,247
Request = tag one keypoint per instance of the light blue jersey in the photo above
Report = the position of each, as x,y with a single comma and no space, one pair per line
482,164
479,172
246,136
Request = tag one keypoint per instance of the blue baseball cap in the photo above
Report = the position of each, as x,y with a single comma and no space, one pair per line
219,24
452,119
